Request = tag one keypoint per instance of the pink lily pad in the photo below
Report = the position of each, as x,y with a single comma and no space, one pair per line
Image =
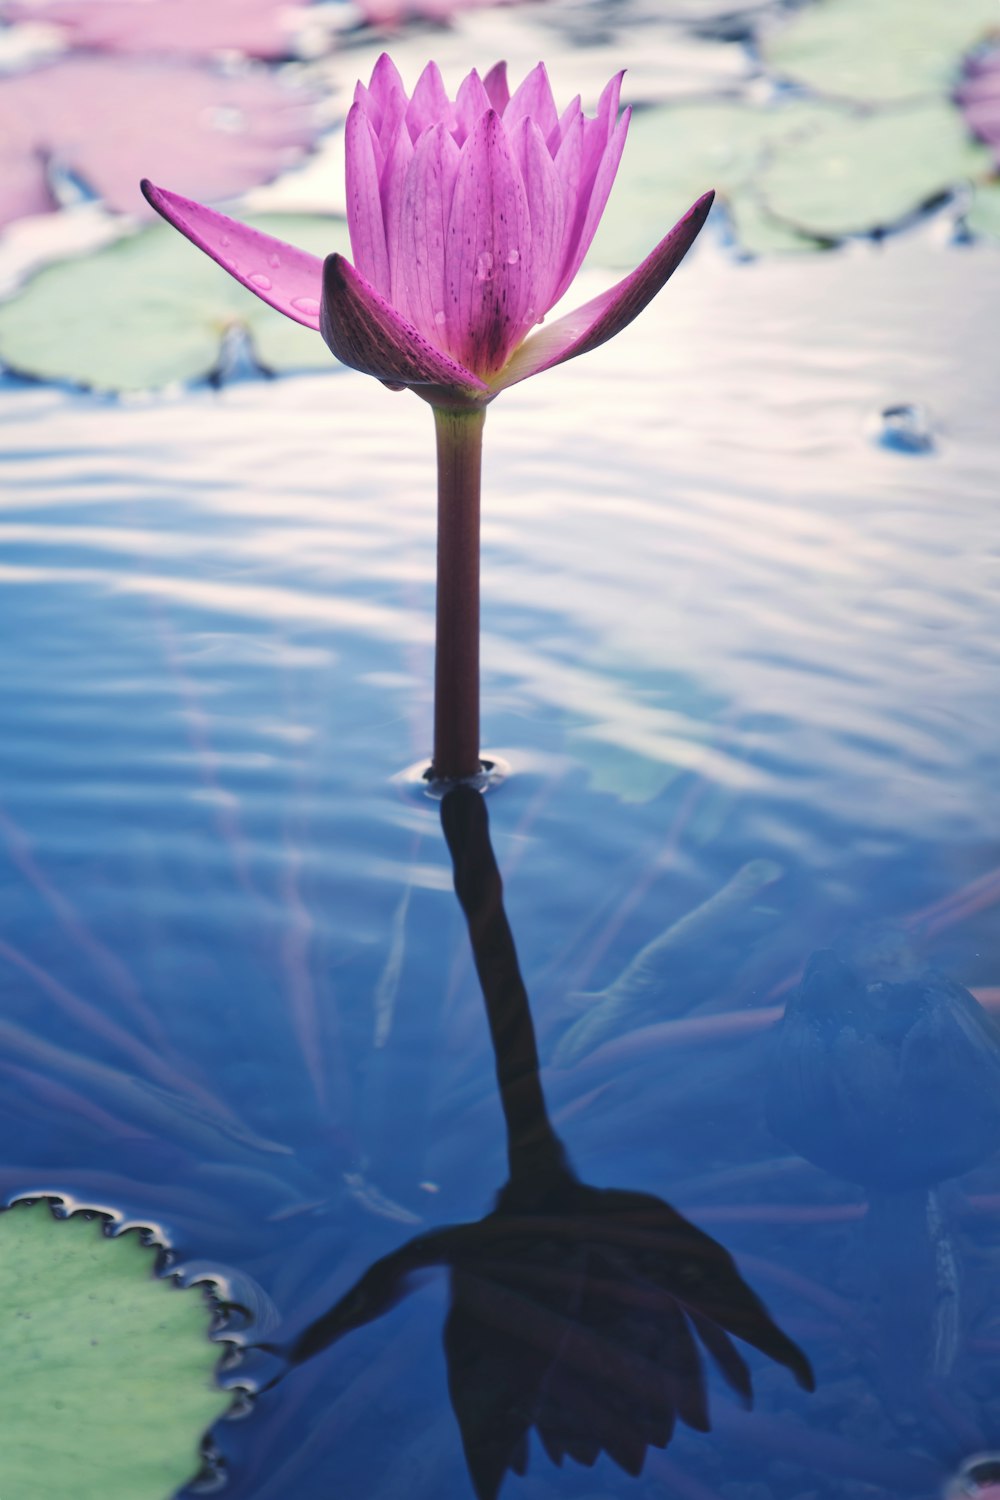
257,28
389,14
110,123
978,96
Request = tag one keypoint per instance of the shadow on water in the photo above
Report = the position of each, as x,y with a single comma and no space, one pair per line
573,1310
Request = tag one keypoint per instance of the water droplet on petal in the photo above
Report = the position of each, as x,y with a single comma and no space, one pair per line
529,316
904,428
258,279
484,267
274,260
224,240
439,319
307,305
513,256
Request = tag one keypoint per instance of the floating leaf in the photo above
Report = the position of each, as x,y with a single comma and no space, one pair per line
674,152
984,215
107,1382
878,49
109,123
150,310
860,173
257,28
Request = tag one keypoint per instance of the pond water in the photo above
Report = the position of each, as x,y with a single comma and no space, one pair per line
741,646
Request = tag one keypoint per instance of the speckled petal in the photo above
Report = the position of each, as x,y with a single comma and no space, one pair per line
365,332
286,278
600,319
427,195
487,256
364,203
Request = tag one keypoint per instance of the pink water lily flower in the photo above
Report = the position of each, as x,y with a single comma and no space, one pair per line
469,218
468,221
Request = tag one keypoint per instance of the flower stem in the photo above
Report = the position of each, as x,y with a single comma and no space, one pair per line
456,664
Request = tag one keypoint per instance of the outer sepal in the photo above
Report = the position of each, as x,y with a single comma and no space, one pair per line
281,275
365,332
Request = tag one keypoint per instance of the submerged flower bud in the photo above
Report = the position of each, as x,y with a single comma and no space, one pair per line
469,218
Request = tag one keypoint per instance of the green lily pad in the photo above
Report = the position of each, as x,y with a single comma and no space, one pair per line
884,50
859,173
675,152
107,1380
151,309
759,233
984,215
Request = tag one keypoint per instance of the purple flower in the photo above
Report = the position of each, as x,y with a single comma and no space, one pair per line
469,218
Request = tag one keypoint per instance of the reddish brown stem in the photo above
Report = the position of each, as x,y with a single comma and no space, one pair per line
456,664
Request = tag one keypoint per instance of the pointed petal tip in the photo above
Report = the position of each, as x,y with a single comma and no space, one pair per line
155,196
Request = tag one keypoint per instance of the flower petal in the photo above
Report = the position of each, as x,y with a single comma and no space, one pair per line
569,166
600,319
427,195
487,258
596,135
385,86
471,103
496,86
364,203
533,97
289,279
365,332
430,104
398,159
547,210
607,170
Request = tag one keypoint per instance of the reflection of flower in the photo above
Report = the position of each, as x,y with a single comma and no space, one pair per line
226,134
257,28
469,219
573,1309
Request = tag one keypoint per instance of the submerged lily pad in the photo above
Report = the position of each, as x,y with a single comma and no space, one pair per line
860,173
151,309
675,152
878,49
107,1380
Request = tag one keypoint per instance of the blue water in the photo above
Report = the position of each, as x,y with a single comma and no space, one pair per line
722,623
